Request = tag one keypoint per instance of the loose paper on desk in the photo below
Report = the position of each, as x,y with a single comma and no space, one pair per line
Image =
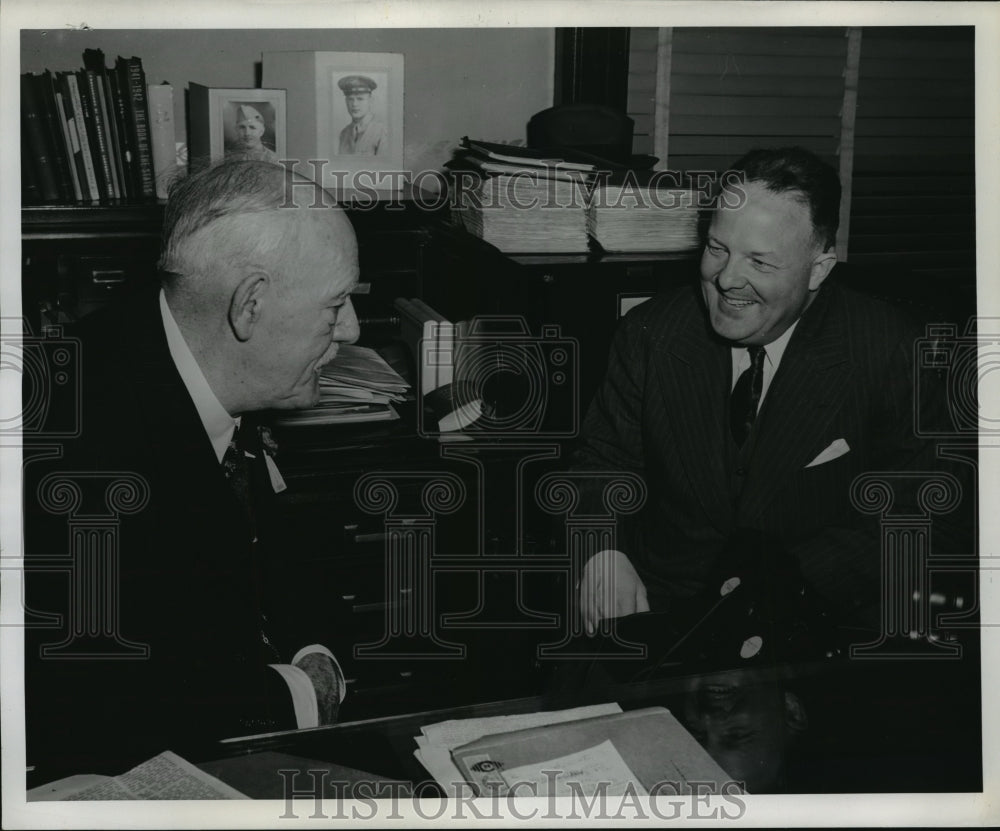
601,765
438,740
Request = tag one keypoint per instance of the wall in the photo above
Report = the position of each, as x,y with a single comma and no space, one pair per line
484,83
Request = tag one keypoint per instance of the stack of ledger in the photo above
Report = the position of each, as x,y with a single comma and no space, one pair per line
519,199
632,212
358,385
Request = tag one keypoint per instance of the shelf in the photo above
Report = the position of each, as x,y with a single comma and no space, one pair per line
40,222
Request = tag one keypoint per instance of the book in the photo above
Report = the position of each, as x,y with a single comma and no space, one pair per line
639,750
93,61
129,157
50,116
160,98
71,143
90,96
166,776
31,194
133,78
36,143
86,159
436,343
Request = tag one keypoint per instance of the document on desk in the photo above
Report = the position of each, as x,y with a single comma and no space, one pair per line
438,740
642,748
597,768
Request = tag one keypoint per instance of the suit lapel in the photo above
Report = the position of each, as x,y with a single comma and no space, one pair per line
801,402
694,368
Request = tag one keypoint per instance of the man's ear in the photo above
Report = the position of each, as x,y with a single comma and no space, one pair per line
246,304
822,266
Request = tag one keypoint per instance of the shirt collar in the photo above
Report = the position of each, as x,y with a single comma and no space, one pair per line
218,423
776,348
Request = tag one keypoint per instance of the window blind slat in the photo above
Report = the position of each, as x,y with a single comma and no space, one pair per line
753,85
738,106
743,65
757,41
686,124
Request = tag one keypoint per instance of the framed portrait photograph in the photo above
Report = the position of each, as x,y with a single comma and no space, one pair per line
237,124
346,113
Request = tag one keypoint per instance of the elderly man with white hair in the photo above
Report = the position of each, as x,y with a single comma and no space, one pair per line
253,300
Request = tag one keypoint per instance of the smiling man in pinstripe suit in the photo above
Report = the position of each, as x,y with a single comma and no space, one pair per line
749,406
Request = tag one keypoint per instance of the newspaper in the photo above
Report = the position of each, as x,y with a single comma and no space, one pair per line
166,776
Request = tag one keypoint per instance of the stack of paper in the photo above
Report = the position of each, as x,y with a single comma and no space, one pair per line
521,200
434,747
626,215
640,751
357,385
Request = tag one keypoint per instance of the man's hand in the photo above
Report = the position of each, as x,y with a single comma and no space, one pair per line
610,588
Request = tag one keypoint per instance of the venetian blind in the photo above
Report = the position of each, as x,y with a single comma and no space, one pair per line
913,205
735,89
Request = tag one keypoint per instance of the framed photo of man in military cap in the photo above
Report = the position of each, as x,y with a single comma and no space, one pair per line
345,112
244,124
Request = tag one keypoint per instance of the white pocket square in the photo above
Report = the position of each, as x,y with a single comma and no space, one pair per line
834,451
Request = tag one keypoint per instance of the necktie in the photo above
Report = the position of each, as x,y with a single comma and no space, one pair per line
236,465
746,396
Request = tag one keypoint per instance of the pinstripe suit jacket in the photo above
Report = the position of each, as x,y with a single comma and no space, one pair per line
662,411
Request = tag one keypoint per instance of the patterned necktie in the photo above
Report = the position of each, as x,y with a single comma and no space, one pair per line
236,465
746,396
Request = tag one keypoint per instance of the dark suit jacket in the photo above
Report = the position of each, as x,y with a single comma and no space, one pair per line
663,412
190,584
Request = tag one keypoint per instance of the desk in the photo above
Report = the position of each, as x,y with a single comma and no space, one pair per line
863,735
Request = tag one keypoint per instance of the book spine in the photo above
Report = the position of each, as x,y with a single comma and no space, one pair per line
109,134
47,100
93,62
31,193
86,157
72,146
92,102
123,129
118,148
35,142
162,136
140,116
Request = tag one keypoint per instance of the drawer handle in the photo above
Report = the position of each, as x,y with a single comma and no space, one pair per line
349,597
375,536
107,276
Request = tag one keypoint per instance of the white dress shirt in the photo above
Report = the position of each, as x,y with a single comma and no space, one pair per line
218,424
